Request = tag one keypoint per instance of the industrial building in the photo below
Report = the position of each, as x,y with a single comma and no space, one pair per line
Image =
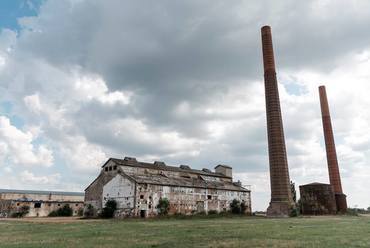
39,203
137,188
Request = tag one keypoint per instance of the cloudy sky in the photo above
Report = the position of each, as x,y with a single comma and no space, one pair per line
180,82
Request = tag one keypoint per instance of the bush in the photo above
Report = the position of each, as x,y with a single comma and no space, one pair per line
238,207
108,210
163,206
66,210
212,212
22,211
80,212
89,211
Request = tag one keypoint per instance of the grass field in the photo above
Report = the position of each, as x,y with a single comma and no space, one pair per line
336,232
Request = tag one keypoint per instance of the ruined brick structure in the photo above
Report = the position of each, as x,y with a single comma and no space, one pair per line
331,154
317,199
281,197
138,186
40,203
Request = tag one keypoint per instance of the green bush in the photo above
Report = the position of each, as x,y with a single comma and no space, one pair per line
66,210
22,211
238,207
163,206
108,210
212,212
80,212
89,211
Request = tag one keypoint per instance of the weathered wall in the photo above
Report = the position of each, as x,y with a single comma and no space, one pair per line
7,207
122,190
41,197
182,199
317,199
94,193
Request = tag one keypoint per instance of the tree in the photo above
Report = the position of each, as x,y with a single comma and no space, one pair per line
238,207
22,211
163,206
109,209
294,192
89,211
66,210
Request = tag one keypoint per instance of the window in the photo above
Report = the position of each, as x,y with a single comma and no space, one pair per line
106,168
37,205
141,196
209,197
110,168
76,204
18,204
150,206
115,167
58,204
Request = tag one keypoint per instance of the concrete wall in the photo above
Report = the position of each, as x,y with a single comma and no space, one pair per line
182,199
36,209
122,190
41,197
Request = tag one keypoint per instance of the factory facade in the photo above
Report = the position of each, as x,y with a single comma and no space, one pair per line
137,188
39,203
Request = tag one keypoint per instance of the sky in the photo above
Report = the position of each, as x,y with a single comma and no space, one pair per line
181,82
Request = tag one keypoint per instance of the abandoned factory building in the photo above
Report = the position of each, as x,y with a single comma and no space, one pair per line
137,188
39,203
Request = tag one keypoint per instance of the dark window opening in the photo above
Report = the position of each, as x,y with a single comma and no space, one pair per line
115,167
209,197
141,196
142,213
110,168
18,204
76,204
106,168
150,206
37,205
58,205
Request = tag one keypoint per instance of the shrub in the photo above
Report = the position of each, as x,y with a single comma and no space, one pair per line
89,211
163,206
22,211
294,212
80,212
235,207
66,210
212,212
108,210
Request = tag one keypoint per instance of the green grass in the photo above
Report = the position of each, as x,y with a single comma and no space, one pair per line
345,231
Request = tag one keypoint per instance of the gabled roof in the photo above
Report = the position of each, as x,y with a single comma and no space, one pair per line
162,166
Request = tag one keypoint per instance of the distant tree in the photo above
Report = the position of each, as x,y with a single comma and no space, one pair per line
66,210
368,209
163,206
294,192
22,211
109,209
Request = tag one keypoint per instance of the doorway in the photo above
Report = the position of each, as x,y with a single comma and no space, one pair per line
142,213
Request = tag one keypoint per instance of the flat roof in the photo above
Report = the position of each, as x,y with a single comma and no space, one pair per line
41,192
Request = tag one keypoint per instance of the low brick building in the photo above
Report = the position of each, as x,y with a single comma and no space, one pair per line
40,203
317,199
138,186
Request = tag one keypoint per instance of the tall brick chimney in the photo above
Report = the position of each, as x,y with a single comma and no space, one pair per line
331,154
281,196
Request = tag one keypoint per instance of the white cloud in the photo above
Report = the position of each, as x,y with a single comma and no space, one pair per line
30,178
18,147
33,103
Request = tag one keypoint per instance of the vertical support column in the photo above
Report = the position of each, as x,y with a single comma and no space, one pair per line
281,196
331,154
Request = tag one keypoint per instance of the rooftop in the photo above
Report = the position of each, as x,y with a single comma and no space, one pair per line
41,192
127,161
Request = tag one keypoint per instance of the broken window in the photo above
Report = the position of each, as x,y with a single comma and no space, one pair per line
106,168
150,206
115,167
141,196
37,205
209,197
110,168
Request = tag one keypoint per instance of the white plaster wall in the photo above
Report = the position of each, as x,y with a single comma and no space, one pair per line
120,189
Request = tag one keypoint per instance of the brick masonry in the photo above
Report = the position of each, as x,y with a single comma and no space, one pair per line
281,198
331,154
